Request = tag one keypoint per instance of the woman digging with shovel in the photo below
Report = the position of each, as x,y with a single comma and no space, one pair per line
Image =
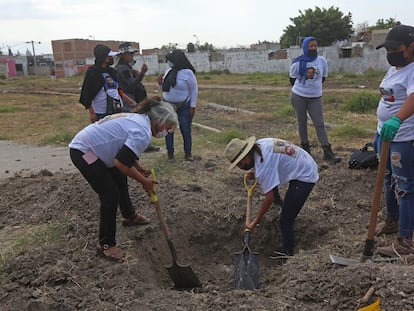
273,162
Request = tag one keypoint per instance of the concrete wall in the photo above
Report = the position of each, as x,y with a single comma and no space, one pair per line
247,61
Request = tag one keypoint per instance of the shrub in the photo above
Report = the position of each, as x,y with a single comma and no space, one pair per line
362,102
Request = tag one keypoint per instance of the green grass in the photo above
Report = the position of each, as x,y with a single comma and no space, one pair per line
31,238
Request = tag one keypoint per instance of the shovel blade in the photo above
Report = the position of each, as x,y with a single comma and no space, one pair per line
246,270
183,276
349,261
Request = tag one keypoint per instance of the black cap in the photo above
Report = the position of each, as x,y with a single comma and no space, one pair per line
401,34
102,51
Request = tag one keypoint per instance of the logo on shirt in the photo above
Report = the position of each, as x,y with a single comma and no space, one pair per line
387,94
282,146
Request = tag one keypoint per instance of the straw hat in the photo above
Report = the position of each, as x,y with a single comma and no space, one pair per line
237,149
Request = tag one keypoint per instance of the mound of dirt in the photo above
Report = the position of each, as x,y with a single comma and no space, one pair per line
205,215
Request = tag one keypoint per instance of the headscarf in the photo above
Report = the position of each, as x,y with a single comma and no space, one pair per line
180,61
304,58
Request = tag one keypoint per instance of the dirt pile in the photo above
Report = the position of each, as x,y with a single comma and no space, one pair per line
205,215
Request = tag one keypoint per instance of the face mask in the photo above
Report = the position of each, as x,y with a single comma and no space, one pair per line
132,63
248,166
170,63
313,53
111,61
161,134
396,59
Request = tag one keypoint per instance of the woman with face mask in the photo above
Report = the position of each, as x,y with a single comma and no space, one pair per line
180,88
307,74
100,81
273,162
106,152
395,116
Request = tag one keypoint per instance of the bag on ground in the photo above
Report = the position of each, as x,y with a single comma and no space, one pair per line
365,157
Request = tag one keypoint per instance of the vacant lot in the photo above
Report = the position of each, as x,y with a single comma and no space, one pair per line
48,221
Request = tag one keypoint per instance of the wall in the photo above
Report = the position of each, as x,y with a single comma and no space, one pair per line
247,61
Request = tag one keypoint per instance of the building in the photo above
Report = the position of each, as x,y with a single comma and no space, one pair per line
74,56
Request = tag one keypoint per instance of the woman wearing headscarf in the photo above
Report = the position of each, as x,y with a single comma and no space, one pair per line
307,73
180,88
106,152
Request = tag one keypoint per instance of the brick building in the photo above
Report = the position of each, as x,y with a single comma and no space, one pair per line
74,56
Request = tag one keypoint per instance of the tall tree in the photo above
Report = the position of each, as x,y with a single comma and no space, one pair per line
327,25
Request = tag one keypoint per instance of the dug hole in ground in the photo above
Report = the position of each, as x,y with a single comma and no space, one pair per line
205,215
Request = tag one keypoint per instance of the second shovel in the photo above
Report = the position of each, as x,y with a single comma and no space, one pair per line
246,262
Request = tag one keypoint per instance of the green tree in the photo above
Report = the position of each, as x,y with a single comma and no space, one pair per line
205,47
381,24
327,25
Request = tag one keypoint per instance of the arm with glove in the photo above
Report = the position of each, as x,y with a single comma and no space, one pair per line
390,127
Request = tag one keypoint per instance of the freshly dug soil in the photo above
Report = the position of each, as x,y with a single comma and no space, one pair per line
205,215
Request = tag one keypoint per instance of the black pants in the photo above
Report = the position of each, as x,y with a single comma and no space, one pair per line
112,188
295,197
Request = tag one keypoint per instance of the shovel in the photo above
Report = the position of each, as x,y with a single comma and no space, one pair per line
182,275
369,242
246,262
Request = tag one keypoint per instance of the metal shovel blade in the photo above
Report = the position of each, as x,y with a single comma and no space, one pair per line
246,272
183,276
349,261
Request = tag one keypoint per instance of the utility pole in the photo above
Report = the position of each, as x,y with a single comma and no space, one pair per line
34,55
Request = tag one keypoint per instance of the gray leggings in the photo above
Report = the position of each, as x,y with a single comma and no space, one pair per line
302,105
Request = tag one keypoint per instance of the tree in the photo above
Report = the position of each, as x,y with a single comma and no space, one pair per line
328,26
389,23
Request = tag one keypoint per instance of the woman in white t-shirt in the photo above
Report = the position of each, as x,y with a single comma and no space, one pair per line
273,162
307,74
106,152
395,116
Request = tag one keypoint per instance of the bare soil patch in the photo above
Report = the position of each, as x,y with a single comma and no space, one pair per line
205,215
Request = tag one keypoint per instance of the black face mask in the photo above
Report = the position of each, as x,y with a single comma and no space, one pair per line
397,59
248,166
111,61
313,53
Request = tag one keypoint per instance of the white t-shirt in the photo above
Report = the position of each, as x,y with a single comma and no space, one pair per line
107,136
312,87
282,162
395,87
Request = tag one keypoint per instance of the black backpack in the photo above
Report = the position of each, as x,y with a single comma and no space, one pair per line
364,158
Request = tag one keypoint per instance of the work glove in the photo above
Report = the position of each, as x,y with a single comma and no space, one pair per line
390,128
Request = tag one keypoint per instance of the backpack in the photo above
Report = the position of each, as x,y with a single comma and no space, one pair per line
363,158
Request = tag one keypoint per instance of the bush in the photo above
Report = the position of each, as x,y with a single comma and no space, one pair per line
362,102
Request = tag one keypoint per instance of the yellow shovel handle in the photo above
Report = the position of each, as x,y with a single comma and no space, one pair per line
249,189
153,196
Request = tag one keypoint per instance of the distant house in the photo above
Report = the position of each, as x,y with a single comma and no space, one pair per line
74,56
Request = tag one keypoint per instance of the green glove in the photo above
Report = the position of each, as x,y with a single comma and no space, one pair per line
390,128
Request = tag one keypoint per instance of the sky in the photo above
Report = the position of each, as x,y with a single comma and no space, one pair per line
154,23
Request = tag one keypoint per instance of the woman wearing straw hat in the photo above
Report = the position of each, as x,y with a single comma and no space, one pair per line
273,162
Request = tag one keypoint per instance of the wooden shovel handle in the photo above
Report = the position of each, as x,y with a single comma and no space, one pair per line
161,218
249,199
379,185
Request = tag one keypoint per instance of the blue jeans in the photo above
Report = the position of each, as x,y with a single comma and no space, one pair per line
399,184
295,197
185,121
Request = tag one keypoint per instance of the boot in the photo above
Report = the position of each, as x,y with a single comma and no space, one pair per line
328,155
400,246
390,226
306,147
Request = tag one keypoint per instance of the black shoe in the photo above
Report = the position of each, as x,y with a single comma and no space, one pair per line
152,148
188,157
328,154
